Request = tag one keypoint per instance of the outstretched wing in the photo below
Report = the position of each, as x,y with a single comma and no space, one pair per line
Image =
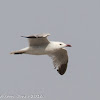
37,40
60,60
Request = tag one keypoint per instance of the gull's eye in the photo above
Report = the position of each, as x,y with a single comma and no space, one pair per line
60,44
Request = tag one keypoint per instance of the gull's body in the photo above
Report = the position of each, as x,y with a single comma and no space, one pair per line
39,45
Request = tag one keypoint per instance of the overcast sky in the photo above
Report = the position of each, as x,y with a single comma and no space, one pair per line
76,22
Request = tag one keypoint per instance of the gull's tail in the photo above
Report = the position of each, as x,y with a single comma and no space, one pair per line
18,52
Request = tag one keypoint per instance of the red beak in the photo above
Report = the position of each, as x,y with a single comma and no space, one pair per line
68,45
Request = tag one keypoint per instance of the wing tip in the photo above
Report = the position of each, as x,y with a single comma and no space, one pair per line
17,52
62,69
24,36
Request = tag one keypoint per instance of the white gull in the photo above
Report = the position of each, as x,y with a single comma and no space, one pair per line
39,45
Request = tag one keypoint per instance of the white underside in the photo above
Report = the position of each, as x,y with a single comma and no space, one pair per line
36,51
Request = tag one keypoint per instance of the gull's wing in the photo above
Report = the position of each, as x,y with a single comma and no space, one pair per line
60,60
37,40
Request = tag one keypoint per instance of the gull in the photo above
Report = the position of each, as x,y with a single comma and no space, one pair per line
40,45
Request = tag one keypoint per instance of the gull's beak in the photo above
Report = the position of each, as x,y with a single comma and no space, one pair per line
68,45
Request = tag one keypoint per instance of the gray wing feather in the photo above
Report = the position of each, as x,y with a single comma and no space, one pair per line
60,60
38,40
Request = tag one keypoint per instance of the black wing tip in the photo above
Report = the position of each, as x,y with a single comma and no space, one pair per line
29,36
62,69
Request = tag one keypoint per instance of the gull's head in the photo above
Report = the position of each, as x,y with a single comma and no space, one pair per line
60,45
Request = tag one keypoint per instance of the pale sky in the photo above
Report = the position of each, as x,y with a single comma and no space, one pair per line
76,22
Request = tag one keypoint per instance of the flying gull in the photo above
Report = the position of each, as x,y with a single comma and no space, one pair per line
40,45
